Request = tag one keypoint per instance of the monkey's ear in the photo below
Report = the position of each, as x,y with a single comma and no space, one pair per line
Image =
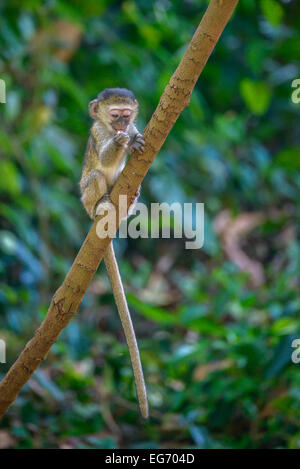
93,108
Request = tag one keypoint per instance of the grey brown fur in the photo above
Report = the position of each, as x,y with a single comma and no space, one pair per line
106,150
113,134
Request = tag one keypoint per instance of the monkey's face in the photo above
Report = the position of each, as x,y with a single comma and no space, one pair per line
115,113
120,116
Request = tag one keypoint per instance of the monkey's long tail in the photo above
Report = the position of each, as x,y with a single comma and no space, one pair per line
120,298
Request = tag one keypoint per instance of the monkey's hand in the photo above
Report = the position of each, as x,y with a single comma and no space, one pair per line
121,138
138,143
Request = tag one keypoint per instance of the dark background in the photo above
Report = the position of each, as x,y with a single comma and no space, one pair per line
215,338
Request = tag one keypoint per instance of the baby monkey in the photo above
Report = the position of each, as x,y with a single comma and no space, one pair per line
113,134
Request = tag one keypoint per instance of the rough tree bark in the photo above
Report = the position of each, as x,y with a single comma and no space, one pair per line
67,298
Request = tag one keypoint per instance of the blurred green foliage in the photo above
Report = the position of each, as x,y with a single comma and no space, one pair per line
216,350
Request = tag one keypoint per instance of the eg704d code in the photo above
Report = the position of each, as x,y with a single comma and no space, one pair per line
172,458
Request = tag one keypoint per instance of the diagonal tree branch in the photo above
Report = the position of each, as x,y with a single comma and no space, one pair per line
66,300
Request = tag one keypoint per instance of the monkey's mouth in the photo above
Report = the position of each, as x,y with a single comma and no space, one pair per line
120,130
118,127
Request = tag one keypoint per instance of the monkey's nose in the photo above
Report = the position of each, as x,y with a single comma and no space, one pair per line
120,127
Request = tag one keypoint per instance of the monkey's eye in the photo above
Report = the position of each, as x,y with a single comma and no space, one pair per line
115,114
126,113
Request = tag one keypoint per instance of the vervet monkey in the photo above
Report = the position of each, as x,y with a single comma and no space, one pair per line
113,134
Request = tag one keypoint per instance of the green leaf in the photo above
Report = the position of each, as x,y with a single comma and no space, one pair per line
151,312
284,326
207,326
273,11
257,95
256,53
289,159
9,181
231,126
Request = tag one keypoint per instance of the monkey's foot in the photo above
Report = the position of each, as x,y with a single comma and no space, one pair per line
138,143
104,205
